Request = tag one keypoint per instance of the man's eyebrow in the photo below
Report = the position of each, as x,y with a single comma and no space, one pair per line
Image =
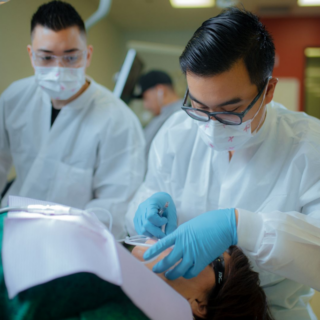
229,102
44,50
71,50
66,51
194,99
226,103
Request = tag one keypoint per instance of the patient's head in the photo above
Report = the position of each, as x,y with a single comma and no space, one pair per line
238,296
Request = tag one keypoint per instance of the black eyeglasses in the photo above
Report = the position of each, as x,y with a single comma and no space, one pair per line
219,269
228,118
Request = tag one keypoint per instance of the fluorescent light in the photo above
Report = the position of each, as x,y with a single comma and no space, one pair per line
192,3
226,3
312,52
305,3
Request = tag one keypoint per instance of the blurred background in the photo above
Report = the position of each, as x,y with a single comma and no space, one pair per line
158,32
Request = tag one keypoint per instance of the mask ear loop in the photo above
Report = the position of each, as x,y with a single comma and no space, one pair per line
264,96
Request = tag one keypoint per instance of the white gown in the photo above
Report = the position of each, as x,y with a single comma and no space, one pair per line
92,156
275,184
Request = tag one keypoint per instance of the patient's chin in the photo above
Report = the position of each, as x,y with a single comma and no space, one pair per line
138,252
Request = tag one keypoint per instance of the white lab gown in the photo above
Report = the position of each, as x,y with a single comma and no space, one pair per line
275,183
92,156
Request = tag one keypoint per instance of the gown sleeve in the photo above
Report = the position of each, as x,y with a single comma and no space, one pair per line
119,171
5,154
152,183
284,243
288,243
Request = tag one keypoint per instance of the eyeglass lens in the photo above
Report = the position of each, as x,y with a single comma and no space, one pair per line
225,118
47,60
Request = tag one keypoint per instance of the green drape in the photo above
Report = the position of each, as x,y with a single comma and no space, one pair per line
79,296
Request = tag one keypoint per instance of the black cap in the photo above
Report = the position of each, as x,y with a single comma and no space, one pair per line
150,80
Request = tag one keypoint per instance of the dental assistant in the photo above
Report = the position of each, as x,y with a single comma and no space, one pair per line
160,98
236,168
70,140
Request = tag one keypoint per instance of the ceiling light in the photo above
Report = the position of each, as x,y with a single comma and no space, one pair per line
192,3
305,3
226,3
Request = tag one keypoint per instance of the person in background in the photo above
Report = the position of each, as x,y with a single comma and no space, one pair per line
160,98
71,141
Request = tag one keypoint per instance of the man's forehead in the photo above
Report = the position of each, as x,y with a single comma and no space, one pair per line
222,89
235,78
70,34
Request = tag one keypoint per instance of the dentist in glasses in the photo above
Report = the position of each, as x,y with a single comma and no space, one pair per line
233,167
70,140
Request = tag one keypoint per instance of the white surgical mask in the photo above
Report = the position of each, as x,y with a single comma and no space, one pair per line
222,137
60,83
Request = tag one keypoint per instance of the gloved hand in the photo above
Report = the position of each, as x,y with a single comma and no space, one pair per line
147,220
197,242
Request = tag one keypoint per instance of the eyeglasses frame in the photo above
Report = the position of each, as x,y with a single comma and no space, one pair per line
218,266
79,53
241,115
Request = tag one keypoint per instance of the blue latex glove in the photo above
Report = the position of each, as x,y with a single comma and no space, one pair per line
147,220
197,242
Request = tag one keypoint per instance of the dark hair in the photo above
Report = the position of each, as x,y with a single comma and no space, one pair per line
57,15
240,296
223,40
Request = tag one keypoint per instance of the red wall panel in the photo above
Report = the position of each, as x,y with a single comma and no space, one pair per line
291,36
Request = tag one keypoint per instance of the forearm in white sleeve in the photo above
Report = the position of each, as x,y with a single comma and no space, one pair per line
5,154
151,185
284,243
119,173
141,195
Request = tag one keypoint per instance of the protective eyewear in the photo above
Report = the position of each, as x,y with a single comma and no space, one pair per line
219,270
228,118
71,60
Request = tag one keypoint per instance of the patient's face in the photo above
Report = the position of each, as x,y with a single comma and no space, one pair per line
195,290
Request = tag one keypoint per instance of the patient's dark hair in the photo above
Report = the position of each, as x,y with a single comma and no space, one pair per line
221,41
240,296
57,15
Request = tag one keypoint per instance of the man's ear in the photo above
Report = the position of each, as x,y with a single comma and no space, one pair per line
199,308
270,90
89,55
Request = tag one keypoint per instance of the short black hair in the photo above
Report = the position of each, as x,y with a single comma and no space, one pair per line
223,40
57,15
151,79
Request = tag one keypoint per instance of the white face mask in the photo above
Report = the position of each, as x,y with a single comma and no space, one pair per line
221,137
60,83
